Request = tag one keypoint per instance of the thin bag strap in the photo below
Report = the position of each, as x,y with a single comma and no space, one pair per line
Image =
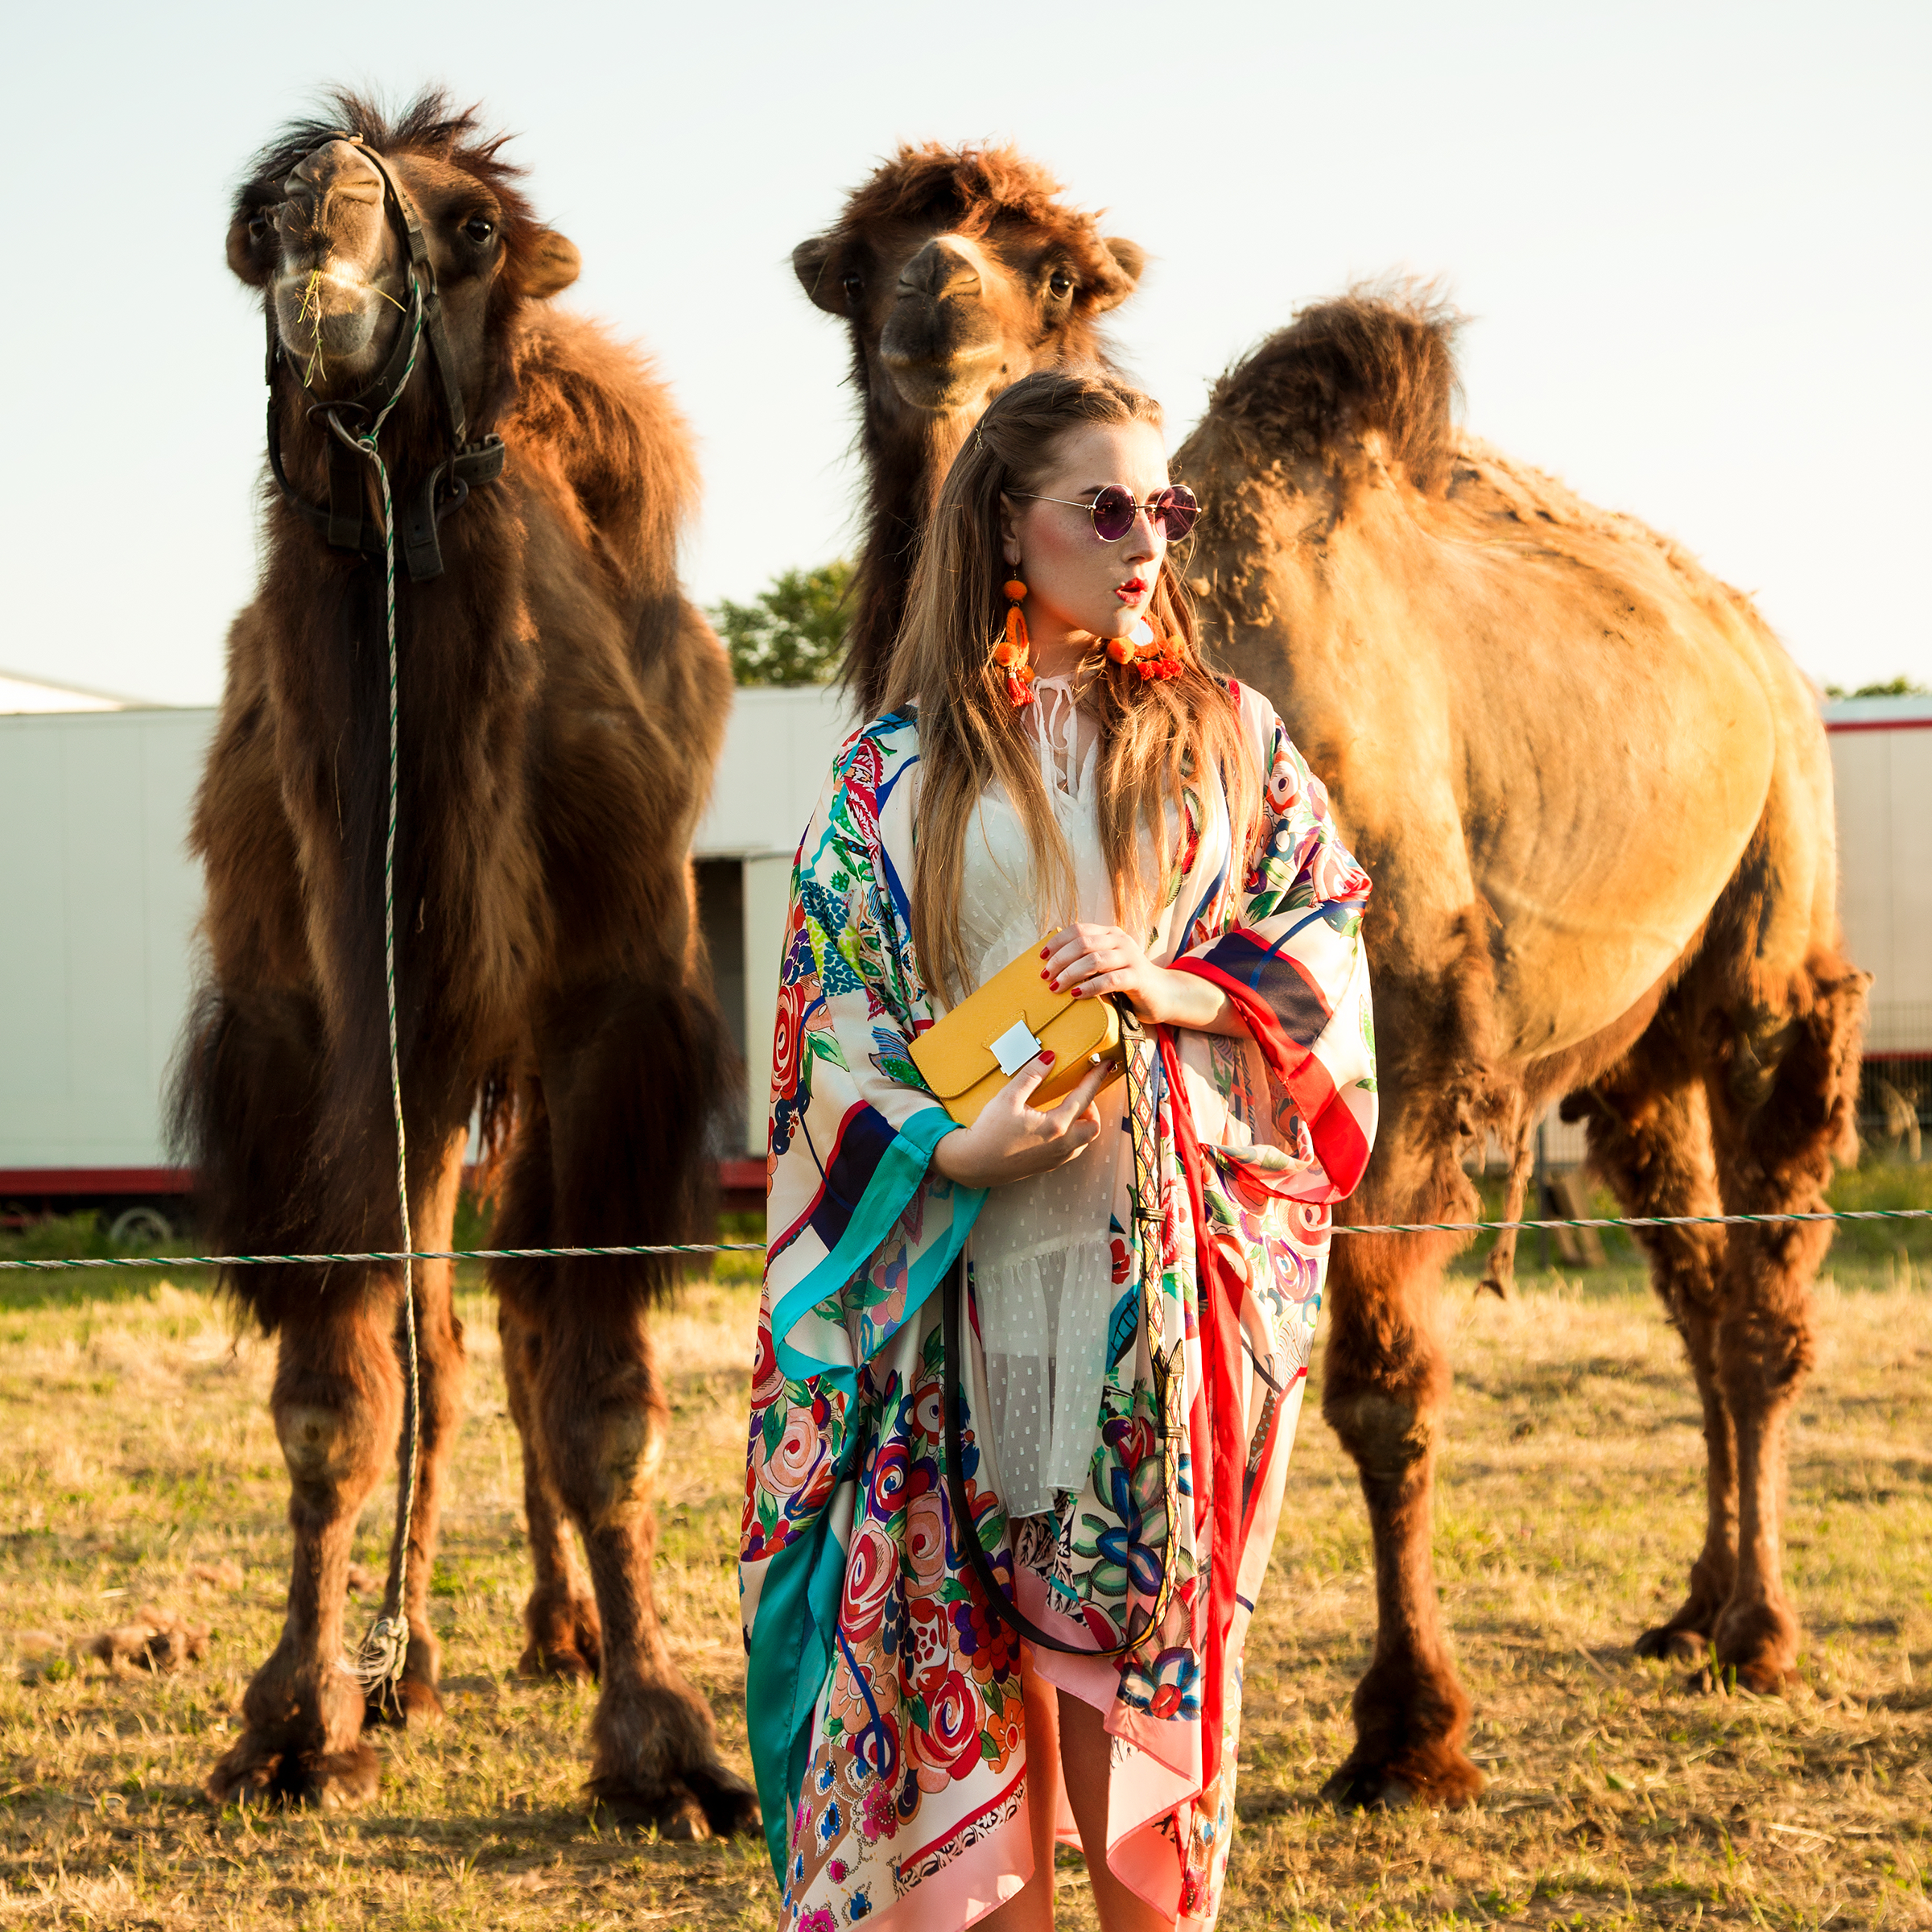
1142,1062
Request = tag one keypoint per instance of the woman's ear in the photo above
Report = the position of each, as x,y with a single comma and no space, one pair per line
1010,532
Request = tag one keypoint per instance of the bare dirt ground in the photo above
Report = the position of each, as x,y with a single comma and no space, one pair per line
135,1446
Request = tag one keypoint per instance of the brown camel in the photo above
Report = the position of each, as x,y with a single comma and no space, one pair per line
958,273
561,706
1595,796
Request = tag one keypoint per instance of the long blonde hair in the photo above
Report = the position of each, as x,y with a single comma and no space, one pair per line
1154,735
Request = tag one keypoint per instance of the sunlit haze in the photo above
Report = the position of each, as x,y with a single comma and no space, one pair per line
1691,240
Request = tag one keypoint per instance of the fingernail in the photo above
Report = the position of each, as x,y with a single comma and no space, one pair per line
1043,973
1046,1054
1054,985
1043,952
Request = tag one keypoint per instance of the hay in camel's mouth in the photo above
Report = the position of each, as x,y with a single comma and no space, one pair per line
311,313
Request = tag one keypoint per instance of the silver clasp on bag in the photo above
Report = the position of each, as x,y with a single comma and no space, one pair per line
1014,1048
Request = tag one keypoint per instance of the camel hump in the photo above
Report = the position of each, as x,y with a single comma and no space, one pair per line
1375,361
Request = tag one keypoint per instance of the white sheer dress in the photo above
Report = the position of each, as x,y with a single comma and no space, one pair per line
1042,1251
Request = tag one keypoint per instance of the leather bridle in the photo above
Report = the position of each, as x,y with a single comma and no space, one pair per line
343,523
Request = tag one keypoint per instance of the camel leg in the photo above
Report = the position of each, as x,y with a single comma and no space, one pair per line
337,1401
604,1419
612,1149
1775,1140
440,1362
1650,1139
1385,1377
560,1619
1499,1271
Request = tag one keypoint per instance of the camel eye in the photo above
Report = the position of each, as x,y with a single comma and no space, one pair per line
854,286
479,227
1061,283
259,224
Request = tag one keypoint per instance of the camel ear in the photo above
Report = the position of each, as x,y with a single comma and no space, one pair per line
551,265
251,255
1130,258
814,263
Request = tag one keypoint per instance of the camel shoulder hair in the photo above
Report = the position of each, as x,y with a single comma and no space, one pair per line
593,412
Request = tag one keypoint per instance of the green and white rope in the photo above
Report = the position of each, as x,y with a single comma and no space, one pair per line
379,1661
544,1254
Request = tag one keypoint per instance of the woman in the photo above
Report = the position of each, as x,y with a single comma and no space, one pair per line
1088,790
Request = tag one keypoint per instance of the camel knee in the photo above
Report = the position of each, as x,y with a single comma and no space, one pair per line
329,1449
1387,1435
610,1468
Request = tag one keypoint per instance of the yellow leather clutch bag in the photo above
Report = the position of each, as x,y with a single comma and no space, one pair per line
968,1056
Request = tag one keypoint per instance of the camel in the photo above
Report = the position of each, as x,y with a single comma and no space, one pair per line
561,709
957,271
1594,794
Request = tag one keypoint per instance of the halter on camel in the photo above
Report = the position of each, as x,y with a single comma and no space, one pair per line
343,523
379,1661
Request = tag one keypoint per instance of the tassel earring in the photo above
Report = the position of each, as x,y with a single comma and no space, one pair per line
1140,650
1014,647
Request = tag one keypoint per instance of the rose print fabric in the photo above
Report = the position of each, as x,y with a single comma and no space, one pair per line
887,1727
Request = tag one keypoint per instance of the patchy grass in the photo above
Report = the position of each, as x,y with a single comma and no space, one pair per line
135,1443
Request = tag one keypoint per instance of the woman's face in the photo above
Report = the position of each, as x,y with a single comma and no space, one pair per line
1074,583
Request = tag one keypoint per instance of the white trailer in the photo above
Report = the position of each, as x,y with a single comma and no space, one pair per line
96,936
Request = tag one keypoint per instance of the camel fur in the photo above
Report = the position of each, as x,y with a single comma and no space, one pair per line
1593,792
561,709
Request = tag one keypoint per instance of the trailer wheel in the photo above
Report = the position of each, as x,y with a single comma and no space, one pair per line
142,1227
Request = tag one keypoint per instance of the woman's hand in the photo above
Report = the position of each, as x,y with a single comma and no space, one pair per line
1012,1141
1088,961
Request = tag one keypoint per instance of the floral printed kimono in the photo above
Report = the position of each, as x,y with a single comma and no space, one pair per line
887,1728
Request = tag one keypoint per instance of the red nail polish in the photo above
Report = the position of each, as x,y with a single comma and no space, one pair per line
1046,1054
1053,985
1043,952
1043,973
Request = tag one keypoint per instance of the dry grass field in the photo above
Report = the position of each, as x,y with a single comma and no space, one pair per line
135,1445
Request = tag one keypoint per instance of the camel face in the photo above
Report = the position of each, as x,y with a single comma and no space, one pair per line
326,247
960,272
949,320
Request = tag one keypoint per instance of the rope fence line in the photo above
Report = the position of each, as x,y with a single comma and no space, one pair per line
665,1248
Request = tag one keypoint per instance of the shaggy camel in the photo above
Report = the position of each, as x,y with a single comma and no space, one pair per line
1595,797
561,709
958,273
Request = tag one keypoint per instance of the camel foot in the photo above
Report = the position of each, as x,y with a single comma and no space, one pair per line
257,1769
702,1802
566,1642
1674,1644
411,1705
1436,1776
1759,1678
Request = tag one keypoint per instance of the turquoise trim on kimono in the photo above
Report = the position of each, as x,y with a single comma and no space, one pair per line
897,1178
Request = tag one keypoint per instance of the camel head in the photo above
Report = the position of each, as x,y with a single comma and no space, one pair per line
958,272
314,228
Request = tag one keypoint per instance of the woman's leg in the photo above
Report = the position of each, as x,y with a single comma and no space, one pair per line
1087,1756
1031,1909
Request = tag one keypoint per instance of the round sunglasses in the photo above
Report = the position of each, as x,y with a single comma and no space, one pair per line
1172,510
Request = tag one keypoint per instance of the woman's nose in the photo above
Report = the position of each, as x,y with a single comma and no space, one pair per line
1143,541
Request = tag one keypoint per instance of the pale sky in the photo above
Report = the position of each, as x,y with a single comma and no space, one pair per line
1692,239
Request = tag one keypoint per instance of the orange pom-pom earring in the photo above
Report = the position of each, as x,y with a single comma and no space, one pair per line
1143,652
1011,652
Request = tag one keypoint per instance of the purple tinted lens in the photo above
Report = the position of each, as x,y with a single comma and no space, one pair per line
1113,514
1175,509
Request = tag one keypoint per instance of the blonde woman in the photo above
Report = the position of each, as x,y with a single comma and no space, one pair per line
1073,782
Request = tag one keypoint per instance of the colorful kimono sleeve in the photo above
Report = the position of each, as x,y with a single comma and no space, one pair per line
860,1229
1292,959
852,1127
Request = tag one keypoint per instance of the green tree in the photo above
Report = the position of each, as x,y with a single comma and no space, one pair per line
792,633
1892,687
